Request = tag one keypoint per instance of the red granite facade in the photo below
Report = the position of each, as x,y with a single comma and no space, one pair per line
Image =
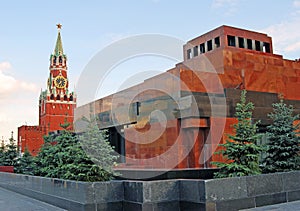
203,115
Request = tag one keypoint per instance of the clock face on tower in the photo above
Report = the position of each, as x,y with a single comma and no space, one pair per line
60,82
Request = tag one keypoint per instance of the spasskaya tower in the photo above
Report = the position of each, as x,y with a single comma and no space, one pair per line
57,102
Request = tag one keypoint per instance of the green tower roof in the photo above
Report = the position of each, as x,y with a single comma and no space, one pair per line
58,47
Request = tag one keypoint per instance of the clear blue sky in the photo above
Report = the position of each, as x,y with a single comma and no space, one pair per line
28,34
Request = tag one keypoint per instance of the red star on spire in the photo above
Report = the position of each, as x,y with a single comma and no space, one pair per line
58,26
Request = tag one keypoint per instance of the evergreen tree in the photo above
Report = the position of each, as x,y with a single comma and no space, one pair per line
95,144
10,153
45,158
284,141
1,154
25,164
241,150
63,157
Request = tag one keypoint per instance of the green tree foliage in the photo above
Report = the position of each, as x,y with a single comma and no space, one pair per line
284,141
241,150
95,144
1,155
10,153
63,157
25,164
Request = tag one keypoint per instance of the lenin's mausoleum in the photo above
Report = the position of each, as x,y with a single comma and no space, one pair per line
152,129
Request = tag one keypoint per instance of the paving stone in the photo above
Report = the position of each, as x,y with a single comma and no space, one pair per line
293,195
13,201
109,191
264,184
159,191
133,191
290,206
270,199
291,181
225,189
192,191
236,204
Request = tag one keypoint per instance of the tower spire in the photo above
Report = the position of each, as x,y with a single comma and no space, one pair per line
58,47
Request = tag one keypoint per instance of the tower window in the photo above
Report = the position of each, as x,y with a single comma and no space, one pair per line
209,45
57,97
241,42
71,98
60,60
52,97
65,98
217,42
249,44
202,48
231,40
54,59
195,49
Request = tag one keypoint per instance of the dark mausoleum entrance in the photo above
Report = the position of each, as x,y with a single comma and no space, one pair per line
118,142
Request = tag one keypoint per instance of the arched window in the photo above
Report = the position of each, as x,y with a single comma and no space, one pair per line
60,59
54,59
71,98
57,97
52,97
65,98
